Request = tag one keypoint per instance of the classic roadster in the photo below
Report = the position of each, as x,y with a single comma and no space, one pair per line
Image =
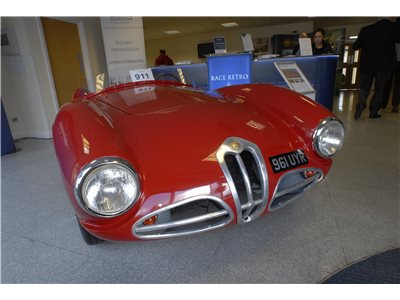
159,159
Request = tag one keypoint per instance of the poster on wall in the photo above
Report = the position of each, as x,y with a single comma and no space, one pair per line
261,44
124,46
9,44
219,44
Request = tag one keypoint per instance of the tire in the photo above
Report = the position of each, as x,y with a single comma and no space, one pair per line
87,237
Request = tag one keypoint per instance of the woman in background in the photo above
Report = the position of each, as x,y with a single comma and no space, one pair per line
320,46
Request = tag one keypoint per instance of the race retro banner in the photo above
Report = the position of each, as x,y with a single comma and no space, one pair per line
124,46
226,70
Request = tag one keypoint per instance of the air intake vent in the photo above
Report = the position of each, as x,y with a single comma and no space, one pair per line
292,184
244,168
190,216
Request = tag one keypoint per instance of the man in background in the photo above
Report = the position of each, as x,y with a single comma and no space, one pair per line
163,59
394,81
378,59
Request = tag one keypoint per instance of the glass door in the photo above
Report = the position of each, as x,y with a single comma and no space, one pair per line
351,70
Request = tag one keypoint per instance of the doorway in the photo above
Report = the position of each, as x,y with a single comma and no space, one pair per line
65,55
350,70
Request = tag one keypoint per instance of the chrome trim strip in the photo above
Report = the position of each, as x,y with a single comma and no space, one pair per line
235,146
136,228
247,185
317,133
88,168
296,186
247,205
183,222
305,182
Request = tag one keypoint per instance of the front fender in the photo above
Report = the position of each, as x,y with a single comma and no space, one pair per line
83,132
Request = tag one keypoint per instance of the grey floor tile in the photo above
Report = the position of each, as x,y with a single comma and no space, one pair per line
179,260
34,163
28,261
95,270
368,220
353,170
305,262
31,209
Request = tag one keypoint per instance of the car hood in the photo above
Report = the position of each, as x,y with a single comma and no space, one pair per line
174,132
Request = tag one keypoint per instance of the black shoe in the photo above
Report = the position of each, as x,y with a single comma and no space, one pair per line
395,109
374,116
357,114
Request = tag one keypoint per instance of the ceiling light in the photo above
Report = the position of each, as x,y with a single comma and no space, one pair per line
232,24
353,37
172,31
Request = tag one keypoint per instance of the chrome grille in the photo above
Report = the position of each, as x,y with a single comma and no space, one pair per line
244,168
190,216
291,185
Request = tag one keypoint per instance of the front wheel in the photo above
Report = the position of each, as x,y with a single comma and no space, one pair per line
87,237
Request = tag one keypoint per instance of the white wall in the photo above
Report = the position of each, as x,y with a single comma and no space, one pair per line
185,47
351,30
27,87
24,86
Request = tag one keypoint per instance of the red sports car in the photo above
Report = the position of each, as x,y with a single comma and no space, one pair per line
160,159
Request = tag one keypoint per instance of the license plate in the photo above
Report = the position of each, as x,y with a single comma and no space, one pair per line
288,161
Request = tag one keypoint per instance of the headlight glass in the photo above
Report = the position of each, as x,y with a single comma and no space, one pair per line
329,137
109,189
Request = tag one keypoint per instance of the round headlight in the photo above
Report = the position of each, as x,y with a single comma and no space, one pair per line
109,189
328,137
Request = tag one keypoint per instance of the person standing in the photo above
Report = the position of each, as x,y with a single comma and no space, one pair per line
394,81
163,59
378,57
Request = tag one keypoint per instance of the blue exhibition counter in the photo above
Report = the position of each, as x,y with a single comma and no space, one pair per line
319,70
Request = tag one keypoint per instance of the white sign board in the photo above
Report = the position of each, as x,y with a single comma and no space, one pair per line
124,46
305,47
141,75
247,42
295,78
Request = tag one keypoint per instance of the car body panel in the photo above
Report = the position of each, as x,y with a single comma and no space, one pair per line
170,133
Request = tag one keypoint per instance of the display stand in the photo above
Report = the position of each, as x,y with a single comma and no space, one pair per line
295,78
229,69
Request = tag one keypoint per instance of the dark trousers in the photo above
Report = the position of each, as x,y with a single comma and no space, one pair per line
387,90
393,84
396,87
366,79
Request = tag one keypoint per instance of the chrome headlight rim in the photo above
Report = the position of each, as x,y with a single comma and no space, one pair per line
317,133
92,166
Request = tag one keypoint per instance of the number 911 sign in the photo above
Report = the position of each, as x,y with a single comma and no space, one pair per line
141,75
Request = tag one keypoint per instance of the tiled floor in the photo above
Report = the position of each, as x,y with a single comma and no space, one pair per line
353,213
